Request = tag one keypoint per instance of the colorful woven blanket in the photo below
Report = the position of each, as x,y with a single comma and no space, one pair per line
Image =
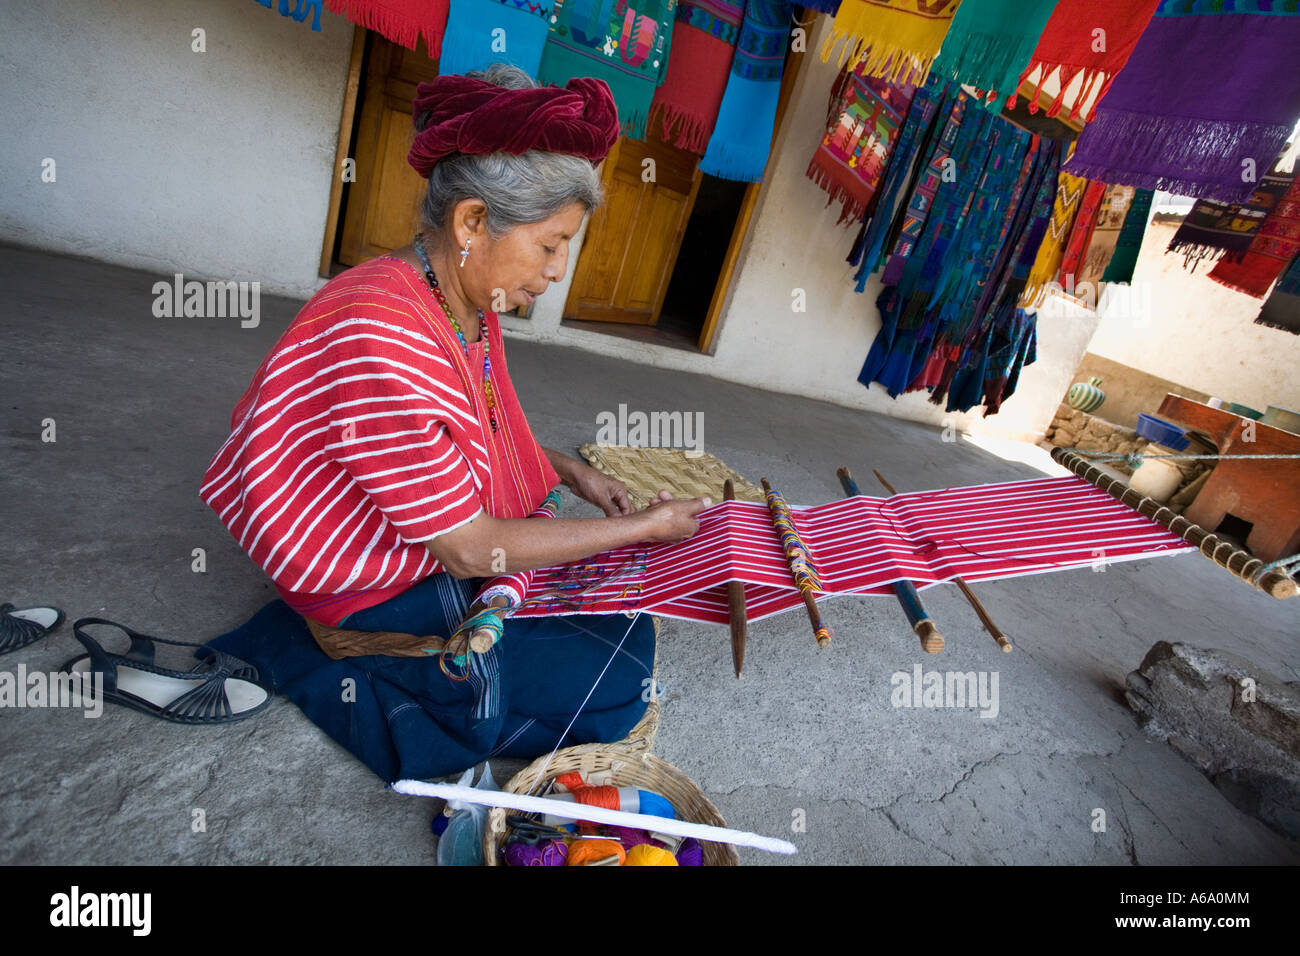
1275,245
1080,235
1214,230
1174,121
1129,243
900,38
990,43
742,137
483,32
402,21
866,116
704,43
623,42
1090,37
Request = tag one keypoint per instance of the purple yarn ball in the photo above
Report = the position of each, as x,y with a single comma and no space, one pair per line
690,853
521,854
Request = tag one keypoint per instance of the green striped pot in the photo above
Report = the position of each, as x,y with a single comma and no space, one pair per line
1086,396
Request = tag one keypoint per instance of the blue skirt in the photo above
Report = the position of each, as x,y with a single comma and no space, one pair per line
405,719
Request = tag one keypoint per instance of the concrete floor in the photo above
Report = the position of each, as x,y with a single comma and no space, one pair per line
103,521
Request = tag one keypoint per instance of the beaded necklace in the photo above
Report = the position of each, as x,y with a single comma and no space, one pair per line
442,301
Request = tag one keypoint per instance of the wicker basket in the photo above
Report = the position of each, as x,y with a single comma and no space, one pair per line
630,767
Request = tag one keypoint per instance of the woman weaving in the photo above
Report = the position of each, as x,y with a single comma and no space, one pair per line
380,466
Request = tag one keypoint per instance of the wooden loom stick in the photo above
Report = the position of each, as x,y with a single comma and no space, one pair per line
1002,640
1240,563
797,556
736,598
908,597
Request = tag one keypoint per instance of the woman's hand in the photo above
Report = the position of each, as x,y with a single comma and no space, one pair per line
606,493
671,521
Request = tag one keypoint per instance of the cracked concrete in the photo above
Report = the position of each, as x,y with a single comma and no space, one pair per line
807,745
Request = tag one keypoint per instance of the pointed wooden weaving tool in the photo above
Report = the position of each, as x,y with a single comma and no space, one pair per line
799,559
905,591
1003,641
736,598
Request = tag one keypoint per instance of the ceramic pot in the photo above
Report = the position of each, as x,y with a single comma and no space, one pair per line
1086,396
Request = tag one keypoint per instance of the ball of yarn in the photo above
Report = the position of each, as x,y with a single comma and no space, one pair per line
647,854
587,852
521,854
690,853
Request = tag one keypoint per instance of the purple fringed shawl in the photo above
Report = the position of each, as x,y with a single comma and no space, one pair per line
1212,88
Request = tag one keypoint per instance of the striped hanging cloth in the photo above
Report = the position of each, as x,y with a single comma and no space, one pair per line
704,43
742,137
1275,245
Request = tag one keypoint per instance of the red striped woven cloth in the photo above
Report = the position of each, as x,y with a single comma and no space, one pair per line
859,545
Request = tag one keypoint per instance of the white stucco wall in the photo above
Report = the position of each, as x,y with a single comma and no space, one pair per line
215,164
1192,330
793,242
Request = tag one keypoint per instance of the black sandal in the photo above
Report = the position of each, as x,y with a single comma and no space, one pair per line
22,626
217,690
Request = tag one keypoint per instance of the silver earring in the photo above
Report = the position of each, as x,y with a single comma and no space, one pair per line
464,253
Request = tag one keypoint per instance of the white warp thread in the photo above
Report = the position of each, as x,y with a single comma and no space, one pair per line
578,811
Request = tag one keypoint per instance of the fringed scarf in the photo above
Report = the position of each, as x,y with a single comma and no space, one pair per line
471,43
1105,234
900,38
1047,261
1129,243
1274,246
866,115
1290,281
704,42
1211,89
611,40
402,21
1090,37
1214,230
1080,235
1282,309
989,44
742,138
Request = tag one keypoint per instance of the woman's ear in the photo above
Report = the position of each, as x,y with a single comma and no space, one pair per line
469,220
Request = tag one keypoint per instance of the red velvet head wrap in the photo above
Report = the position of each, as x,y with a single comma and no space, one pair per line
469,115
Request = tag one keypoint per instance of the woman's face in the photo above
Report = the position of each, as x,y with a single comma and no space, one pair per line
517,268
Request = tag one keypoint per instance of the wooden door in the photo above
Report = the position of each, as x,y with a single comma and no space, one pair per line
383,202
632,241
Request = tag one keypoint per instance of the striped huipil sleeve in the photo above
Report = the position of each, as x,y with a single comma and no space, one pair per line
396,408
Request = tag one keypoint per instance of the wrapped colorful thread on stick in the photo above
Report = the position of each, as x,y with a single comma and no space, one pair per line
800,561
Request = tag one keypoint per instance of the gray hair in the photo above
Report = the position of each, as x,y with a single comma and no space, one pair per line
516,189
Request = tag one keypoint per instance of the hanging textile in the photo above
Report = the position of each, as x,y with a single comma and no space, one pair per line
1105,234
1090,37
1214,230
1211,89
611,40
742,138
849,164
900,38
1047,261
1282,309
990,43
1080,235
402,21
915,138
1272,249
470,38
704,42
1129,243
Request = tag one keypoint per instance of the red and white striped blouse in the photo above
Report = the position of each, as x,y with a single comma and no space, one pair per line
365,433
